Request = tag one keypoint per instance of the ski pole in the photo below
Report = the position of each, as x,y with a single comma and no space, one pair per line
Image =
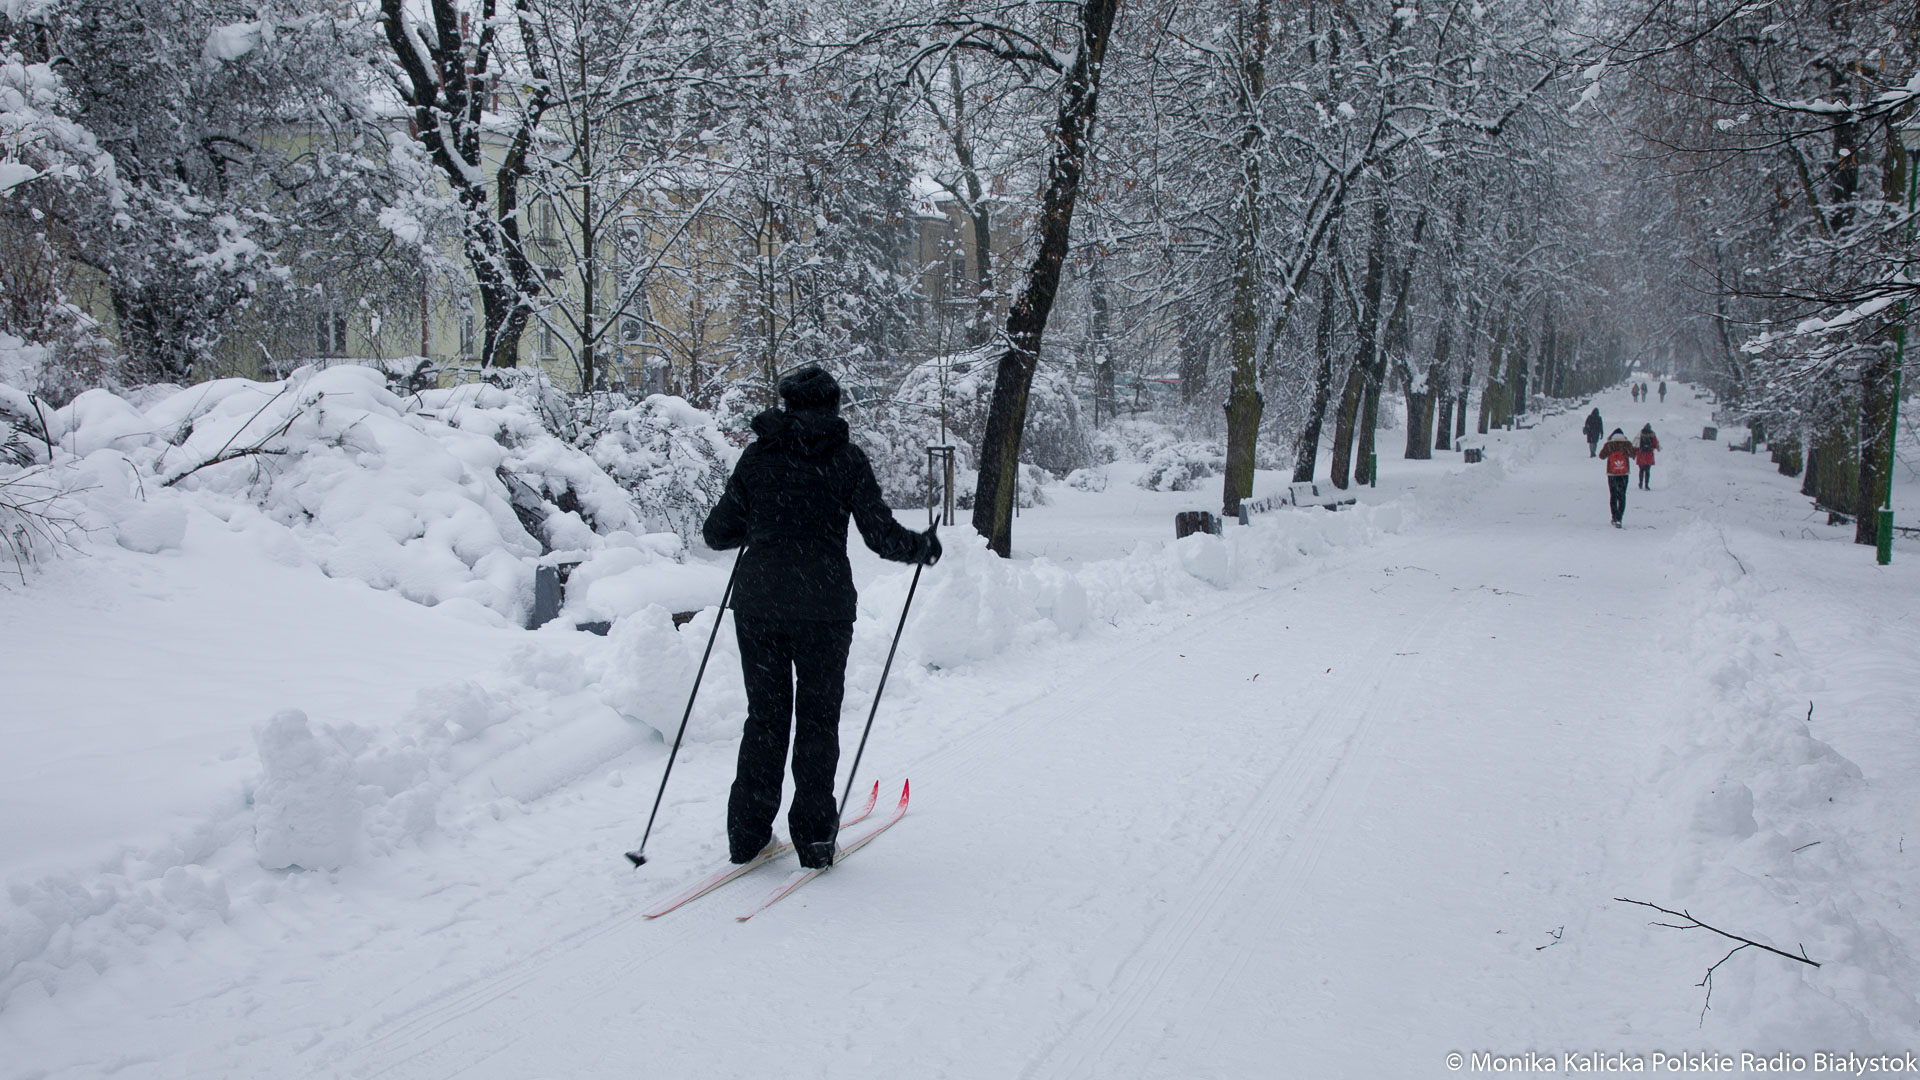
638,856
881,688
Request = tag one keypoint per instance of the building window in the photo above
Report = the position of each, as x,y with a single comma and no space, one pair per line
329,328
466,332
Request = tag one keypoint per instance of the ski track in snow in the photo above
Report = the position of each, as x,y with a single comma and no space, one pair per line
1335,821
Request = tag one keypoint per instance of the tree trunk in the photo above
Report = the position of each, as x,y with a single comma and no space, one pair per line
1876,417
1345,420
1420,406
981,330
1517,379
1027,321
448,90
1367,453
1419,425
589,261
1193,355
1365,355
1306,449
1443,390
1466,373
1490,394
1399,341
1393,340
1877,380
1549,367
1244,403
1466,393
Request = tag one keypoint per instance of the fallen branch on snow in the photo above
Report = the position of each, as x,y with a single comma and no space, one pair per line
32,519
1695,924
258,448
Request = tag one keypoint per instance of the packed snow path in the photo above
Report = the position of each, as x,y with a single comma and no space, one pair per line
1344,822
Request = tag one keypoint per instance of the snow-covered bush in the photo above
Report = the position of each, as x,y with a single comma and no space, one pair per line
1056,438
48,163
896,441
734,411
671,458
444,495
1174,461
1030,487
1180,466
1094,480
1131,438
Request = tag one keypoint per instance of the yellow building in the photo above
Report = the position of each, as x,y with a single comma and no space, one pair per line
701,317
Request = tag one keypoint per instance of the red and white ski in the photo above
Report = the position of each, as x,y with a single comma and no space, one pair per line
720,877
801,877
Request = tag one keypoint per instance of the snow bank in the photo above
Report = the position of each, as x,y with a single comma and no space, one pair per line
1763,835
306,809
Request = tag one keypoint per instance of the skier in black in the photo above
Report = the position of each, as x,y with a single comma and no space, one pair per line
788,501
1594,428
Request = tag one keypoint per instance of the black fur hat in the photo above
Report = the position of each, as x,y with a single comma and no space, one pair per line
810,388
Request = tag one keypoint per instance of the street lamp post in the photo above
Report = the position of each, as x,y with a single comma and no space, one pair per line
1909,138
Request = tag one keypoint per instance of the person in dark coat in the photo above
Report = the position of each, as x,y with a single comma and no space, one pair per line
788,501
1643,455
1619,454
1594,428
1663,391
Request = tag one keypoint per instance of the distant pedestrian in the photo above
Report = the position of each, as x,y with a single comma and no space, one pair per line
1663,391
1643,455
1634,391
1619,456
788,501
1594,427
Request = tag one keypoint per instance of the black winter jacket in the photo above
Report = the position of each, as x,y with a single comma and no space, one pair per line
788,500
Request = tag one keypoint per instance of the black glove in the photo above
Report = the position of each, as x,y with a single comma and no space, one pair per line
930,550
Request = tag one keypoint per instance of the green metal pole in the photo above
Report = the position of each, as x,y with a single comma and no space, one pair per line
1885,532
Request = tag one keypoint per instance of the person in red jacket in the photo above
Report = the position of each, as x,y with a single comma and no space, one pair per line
1649,442
1618,452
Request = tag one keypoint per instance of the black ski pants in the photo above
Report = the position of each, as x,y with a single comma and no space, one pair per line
796,675
1593,445
1617,496
1646,473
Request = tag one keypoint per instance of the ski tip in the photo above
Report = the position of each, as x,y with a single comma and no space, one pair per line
638,860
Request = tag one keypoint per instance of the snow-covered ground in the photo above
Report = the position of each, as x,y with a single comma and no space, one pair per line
1335,794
